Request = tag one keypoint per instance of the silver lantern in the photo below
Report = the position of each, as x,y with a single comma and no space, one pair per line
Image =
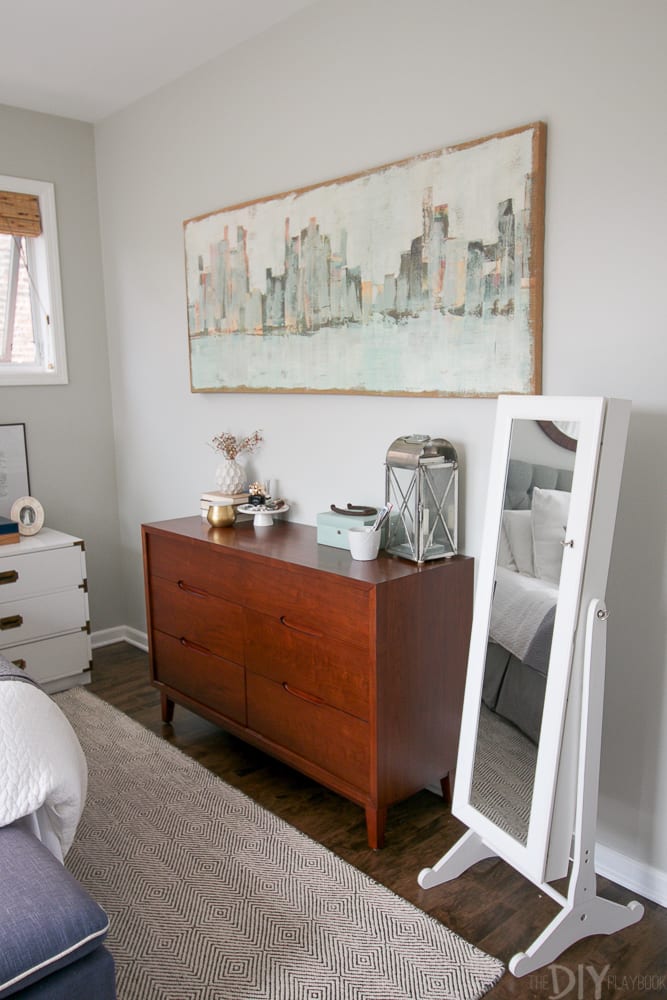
422,486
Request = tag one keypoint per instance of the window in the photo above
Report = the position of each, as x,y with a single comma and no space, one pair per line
32,338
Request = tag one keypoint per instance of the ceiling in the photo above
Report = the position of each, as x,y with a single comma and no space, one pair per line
86,59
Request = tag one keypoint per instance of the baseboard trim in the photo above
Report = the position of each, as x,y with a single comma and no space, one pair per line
635,875
121,633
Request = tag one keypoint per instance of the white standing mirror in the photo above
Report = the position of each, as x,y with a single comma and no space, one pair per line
528,762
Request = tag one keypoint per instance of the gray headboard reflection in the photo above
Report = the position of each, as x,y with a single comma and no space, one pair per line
523,476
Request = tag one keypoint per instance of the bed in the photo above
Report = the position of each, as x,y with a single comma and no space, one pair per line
530,553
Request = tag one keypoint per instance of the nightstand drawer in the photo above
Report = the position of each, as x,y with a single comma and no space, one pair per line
333,740
335,672
211,680
50,659
191,613
37,617
32,573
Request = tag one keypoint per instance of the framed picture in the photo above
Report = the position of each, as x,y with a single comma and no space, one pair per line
421,277
14,481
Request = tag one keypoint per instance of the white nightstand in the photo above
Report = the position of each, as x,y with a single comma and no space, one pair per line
44,619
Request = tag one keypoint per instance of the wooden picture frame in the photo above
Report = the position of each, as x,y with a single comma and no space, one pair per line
420,277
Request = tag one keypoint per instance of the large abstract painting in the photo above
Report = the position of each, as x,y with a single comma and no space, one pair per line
422,277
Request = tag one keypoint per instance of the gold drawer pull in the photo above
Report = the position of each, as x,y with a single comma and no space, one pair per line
189,589
11,621
194,646
21,664
9,576
299,628
303,695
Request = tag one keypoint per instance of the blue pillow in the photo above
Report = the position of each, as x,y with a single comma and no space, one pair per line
47,920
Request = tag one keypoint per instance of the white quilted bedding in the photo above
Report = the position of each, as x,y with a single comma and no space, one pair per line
43,773
519,605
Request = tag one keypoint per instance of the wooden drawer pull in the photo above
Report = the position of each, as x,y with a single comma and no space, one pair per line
303,695
11,621
299,628
9,576
21,664
189,589
194,646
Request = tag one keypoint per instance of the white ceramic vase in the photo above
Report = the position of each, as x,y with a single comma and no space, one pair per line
229,476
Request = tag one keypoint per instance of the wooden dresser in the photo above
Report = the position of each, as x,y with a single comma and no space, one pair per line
351,672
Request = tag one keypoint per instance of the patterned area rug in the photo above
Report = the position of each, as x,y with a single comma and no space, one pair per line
502,783
211,896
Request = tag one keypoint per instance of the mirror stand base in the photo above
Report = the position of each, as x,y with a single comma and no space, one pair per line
595,916
583,913
466,852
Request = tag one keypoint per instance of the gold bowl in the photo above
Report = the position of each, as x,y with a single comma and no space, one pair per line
221,515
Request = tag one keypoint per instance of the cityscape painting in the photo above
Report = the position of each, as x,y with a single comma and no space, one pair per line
421,277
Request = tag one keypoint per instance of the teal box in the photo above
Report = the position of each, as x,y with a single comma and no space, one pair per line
332,528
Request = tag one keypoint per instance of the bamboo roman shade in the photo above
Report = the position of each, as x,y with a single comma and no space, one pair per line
19,214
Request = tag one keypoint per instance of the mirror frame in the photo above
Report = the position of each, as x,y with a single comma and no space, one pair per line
546,841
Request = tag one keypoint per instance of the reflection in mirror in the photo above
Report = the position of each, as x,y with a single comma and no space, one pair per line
529,555
563,432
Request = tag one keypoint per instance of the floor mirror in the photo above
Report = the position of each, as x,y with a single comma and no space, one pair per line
528,763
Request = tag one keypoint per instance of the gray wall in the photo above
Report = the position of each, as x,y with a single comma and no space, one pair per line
349,85
69,428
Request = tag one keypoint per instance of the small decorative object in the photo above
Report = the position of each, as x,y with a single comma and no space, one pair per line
215,496
257,495
334,525
221,515
9,531
263,513
422,485
29,514
364,543
229,475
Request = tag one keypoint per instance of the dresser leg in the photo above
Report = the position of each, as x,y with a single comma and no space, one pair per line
447,786
167,708
375,823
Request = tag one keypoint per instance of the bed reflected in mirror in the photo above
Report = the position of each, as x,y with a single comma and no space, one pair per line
529,556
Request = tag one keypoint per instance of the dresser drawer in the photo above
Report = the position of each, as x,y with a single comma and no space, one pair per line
211,680
194,564
335,672
36,617
193,614
51,659
36,573
333,740
317,602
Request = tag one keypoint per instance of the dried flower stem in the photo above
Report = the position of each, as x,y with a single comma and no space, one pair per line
232,447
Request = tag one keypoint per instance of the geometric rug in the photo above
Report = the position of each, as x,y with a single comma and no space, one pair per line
212,897
504,773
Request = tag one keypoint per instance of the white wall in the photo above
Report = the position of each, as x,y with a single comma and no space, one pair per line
349,85
69,429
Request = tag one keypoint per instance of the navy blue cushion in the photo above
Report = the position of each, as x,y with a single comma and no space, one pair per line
93,977
47,920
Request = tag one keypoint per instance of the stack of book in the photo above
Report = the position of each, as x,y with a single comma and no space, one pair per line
9,531
214,496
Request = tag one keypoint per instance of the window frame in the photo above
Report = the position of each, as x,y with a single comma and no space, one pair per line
44,259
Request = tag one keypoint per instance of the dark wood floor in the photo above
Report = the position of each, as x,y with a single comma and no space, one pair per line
490,905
